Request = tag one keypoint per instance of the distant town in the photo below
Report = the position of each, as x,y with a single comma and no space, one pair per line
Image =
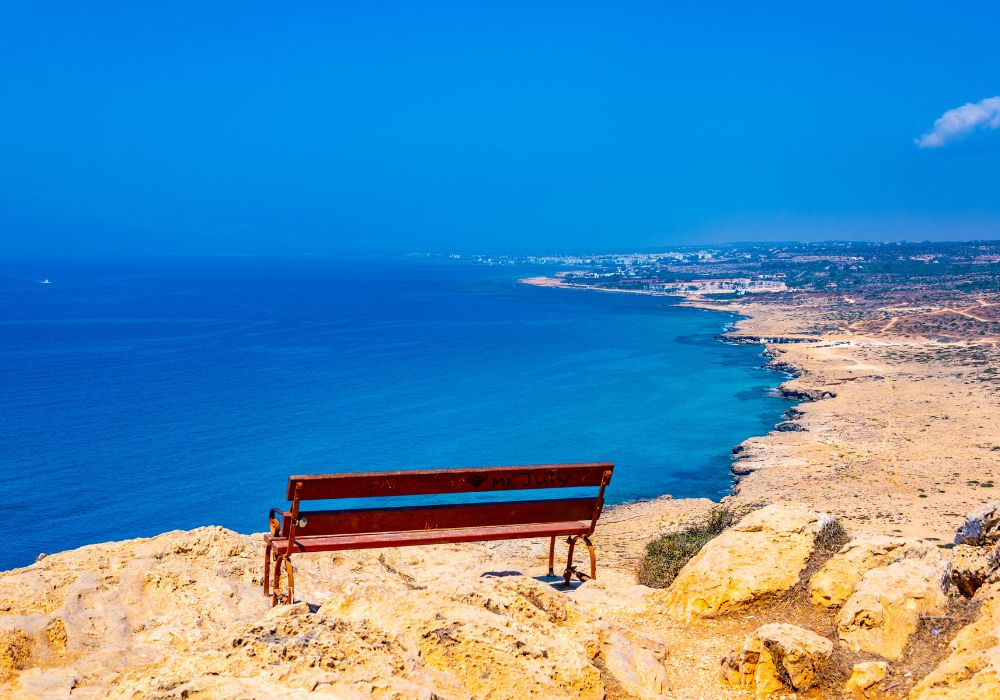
850,268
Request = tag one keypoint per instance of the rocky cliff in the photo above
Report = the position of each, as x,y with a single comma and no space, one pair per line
777,603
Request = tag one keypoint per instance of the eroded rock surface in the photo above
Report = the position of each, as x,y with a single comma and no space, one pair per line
981,526
887,604
636,661
764,553
778,657
15,652
972,566
864,677
183,615
833,584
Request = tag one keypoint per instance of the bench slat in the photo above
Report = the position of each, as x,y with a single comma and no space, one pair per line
441,481
399,519
331,543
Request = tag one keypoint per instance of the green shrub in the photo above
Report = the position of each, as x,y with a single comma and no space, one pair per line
666,555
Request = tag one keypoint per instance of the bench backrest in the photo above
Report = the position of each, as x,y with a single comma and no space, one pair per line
309,487
443,481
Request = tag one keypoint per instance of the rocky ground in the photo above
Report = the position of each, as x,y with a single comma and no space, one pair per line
895,432
777,603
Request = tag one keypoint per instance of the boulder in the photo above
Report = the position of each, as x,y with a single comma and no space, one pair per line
762,554
887,604
972,566
864,676
972,668
635,660
981,526
833,584
778,657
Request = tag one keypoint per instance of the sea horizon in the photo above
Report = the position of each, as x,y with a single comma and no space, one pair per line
152,393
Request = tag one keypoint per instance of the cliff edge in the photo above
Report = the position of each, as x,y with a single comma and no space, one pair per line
783,601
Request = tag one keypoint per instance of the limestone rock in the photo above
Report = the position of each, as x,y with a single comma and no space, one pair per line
15,652
110,606
886,606
636,661
36,683
864,676
612,592
763,553
972,566
778,657
292,653
745,468
833,584
183,615
981,526
800,393
748,457
972,669
522,632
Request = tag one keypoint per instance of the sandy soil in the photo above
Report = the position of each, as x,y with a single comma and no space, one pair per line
908,443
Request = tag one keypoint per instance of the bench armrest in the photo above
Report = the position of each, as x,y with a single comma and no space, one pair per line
275,523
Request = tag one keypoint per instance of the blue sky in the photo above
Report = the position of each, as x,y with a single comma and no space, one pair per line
315,127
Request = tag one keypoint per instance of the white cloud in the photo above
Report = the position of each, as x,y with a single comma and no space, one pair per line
962,121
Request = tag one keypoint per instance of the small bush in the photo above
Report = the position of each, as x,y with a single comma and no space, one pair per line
666,555
831,537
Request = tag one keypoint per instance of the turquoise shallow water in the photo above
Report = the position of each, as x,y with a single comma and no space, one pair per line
145,395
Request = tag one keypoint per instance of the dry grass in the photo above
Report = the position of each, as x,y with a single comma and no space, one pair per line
666,555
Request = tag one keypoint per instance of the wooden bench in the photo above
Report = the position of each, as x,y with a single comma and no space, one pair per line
297,531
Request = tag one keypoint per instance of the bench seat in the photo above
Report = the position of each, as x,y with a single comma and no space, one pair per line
331,543
483,518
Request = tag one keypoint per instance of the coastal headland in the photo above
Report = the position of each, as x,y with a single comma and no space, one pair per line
897,428
863,560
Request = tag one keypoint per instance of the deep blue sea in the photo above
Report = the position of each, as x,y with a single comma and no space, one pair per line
138,396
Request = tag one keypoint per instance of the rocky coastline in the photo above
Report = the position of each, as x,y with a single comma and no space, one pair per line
867,565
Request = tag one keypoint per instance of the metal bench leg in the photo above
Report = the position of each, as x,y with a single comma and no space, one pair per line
568,573
276,594
277,580
291,580
552,555
267,568
593,556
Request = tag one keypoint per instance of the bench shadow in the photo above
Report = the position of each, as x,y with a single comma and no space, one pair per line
556,582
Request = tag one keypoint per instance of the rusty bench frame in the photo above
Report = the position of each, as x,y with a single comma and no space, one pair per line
369,528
